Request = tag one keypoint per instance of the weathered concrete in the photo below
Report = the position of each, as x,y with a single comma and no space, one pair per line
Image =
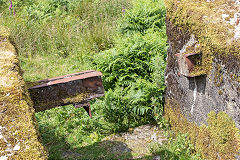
19,136
198,94
212,82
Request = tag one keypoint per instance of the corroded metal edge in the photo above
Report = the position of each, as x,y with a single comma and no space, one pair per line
68,78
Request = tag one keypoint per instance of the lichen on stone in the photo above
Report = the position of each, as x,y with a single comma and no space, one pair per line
219,139
19,136
212,26
204,20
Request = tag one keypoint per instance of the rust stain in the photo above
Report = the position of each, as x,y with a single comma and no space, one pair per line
77,89
68,78
185,63
189,64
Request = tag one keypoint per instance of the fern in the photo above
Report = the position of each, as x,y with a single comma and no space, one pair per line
134,69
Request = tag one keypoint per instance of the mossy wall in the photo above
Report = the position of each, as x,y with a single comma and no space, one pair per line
220,139
19,136
212,89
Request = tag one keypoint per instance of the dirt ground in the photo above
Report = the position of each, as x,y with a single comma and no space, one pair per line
138,140
134,144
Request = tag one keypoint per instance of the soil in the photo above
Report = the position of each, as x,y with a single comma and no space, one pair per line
138,140
134,144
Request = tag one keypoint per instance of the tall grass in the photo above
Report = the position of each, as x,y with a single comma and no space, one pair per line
56,37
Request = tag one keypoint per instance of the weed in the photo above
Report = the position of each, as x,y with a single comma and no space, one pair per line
178,147
61,30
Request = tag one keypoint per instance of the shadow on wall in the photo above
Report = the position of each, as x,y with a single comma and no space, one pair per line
198,83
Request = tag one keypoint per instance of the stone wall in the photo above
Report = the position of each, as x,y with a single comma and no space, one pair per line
19,136
203,68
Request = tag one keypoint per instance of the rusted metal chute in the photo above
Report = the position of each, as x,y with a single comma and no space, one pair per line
188,62
77,89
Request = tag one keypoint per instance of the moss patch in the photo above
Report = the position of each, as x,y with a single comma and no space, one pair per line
44,105
18,128
219,140
204,20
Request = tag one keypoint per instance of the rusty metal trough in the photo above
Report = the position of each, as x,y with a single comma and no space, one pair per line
77,89
187,62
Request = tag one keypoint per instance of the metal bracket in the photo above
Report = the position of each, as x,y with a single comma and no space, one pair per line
86,106
187,63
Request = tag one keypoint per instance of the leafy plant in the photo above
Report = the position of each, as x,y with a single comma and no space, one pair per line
143,16
47,9
128,107
132,58
178,147
134,73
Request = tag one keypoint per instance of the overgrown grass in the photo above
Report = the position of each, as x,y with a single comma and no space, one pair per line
178,147
55,37
67,129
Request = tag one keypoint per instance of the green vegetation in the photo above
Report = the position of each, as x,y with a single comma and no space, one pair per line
18,126
134,69
220,138
128,45
56,37
179,147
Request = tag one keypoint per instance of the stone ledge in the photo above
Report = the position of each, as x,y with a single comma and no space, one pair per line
19,136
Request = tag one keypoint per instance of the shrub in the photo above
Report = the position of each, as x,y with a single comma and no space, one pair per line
132,59
136,104
46,9
134,71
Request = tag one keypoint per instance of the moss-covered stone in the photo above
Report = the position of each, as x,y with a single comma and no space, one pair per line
201,27
19,136
220,139
215,35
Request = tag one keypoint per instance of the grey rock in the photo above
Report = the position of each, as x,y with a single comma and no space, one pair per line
157,157
199,95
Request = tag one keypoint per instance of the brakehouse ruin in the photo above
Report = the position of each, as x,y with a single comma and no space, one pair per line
202,78
203,74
